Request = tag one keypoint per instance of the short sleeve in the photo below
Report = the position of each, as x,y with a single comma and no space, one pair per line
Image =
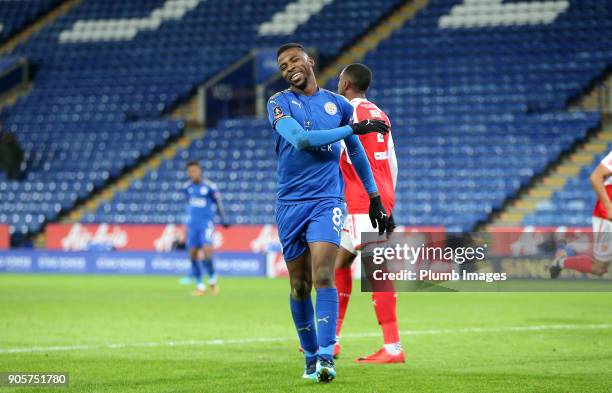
277,109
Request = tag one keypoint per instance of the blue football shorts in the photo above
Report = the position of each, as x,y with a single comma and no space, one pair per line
307,222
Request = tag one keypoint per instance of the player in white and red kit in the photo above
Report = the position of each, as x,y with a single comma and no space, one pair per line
353,83
601,181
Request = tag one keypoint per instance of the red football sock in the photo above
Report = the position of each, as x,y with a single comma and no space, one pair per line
344,285
581,263
385,304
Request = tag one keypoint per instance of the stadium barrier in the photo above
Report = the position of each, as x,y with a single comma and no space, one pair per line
4,237
156,237
112,262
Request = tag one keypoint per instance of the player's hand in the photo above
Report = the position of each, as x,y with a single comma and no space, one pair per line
390,224
367,126
378,215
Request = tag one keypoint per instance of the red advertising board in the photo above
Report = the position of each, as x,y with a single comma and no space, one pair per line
4,237
159,237
518,241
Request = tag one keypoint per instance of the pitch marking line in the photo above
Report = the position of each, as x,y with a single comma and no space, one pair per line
244,341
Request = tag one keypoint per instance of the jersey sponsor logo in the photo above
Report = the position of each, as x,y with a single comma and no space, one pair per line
375,113
381,155
197,202
331,108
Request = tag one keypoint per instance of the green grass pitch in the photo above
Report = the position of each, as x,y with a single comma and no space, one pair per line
147,334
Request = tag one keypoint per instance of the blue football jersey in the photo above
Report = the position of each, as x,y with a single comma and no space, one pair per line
201,199
313,173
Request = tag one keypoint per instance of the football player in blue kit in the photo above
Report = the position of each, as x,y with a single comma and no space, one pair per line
309,122
203,196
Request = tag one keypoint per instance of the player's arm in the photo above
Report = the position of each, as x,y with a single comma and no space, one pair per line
392,161
294,133
301,139
378,214
598,178
394,169
220,209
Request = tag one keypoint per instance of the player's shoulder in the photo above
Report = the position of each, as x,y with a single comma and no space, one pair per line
335,96
607,160
210,184
187,185
364,103
278,97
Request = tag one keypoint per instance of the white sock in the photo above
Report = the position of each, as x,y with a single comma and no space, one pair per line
200,286
393,349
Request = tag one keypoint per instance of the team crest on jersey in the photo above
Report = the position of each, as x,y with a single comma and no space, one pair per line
278,112
331,108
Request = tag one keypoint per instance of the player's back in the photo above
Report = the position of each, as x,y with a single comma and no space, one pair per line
377,147
311,173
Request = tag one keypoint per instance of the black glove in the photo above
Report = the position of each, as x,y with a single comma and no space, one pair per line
390,224
367,126
378,215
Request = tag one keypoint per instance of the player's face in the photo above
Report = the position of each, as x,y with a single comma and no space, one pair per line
343,83
195,173
296,67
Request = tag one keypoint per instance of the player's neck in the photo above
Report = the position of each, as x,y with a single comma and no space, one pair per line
351,95
310,89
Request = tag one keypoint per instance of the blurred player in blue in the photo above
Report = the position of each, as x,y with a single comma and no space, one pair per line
202,196
309,123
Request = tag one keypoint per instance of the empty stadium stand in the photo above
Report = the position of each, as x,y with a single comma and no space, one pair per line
15,15
477,109
478,106
476,90
108,71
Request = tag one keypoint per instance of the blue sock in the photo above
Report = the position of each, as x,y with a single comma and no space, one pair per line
303,317
327,316
196,271
210,268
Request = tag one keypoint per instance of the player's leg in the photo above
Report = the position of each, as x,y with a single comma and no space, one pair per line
567,258
323,255
384,300
302,310
207,261
344,282
291,221
209,266
323,236
196,271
